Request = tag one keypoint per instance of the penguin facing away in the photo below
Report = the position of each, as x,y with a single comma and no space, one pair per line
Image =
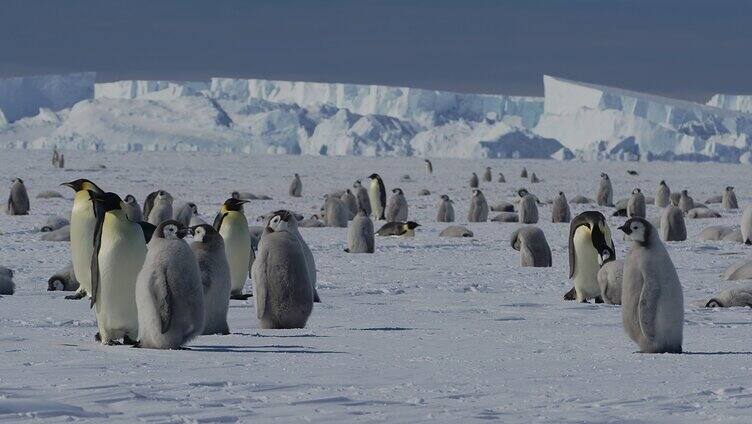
590,246
232,225
663,195
636,204
336,214
487,176
560,209
18,199
350,201
523,174
149,203
528,208
474,181
377,195
360,234
184,213
605,194
534,251
296,186
286,220
211,258
673,227
396,206
361,195
446,209
478,207
610,281
501,178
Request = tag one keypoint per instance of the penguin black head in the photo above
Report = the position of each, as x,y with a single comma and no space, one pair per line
561,193
600,236
356,184
204,233
281,220
685,192
161,194
171,230
604,175
397,191
412,225
16,180
522,192
730,188
374,176
234,204
638,230
714,303
106,201
635,191
444,197
476,192
129,198
296,175
488,167
82,184
663,183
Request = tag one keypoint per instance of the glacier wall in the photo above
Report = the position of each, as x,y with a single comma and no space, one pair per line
22,97
738,102
132,89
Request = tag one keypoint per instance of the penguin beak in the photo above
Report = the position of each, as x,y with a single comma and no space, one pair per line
604,257
625,228
184,231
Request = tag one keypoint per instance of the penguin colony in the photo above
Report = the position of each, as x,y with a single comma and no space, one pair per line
149,287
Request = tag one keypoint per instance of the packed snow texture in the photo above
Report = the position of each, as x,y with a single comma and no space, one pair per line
22,97
741,103
427,329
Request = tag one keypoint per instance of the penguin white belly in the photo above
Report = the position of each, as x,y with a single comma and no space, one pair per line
586,266
237,238
121,256
374,193
82,225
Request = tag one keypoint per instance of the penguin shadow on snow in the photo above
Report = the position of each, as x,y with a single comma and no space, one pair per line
262,349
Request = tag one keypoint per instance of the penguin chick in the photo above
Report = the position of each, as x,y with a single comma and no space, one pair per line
672,225
729,199
686,203
534,251
733,296
446,209
406,229
53,223
209,249
636,204
534,178
610,281
528,208
185,212
478,207
7,286
18,200
501,178
351,202
361,195
396,206
455,231
63,280
360,234
487,176
474,181
287,221
335,212
523,174
132,208
296,187
700,213
560,209
61,234
605,194
161,209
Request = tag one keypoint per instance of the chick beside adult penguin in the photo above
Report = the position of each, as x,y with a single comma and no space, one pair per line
185,212
610,281
560,209
169,291
729,199
296,186
232,225
531,242
605,194
396,206
446,209
590,246
132,208
636,204
478,207
18,199
360,234
209,249
336,214
350,201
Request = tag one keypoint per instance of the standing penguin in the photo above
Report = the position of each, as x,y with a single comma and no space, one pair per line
350,201
209,249
746,226
429,166
528,209
232,225
185,212
396,206
729,199
83,224
446,210
118,255
61,162
663,195
55,157
530,241
360,234
281,285
361,195
474,181
534,178
18,200
149,203
636,204
377,195
296,186
590,246
605,194
336,214
523,174
686,203
487,176
652,298
501,178
673,227
169,293
287,220
478,208
161,209
132,208
560,209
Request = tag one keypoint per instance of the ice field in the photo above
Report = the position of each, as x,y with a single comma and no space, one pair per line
426,329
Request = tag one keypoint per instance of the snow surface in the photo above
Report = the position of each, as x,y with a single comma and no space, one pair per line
23,96
425,329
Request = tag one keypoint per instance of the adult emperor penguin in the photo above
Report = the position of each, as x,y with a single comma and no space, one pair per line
18,200
590,246
283,219
360,234
161,209
281,282
406,229
209,249
652,298
132,208
296,186
729,199
474,180
446,210
118,255
361,194
487,176
169,293
429,166
232,225
673,227
350,201
560,209
663,195
396,206
377,195
528,208
605,194
746,226
530,241
636,204
478,207
185,212
83,224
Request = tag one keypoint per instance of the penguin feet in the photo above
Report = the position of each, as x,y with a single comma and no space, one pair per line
598,299
570,295
136,345
129,341
76,296
97,337
316,298
241,296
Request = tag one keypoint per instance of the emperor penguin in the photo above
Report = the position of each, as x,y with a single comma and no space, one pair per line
487,176
530,241
605,194
478,207
232,225
429,166
746,226
446,210
161,209
63,280
636,204
350,201
361,194
132,208
185,212
590,246
55,157
283,219
406,229
674,198
474,181
610,281
209,249
652,298
18,200
296,186
149,203
336,214
169,291
83,224
360,234
729,199
663,195
673,227
377,195
7,286
61,162
501,178
528,208
734,296
560,209
686,203
396,206
118,255
282,288
523,174
534,178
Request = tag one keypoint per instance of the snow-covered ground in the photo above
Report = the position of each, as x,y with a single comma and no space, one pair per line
426,329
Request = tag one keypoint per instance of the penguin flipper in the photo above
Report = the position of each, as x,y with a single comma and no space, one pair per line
218,220
95,276
260,275
316,298
148,230
149,204
646,308
163,298
570,295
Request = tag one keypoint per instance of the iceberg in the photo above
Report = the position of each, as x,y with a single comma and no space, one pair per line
738,102
132,89
22,97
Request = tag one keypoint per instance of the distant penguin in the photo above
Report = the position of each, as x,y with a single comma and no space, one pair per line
703,212
487,176
605,194
663,195
350,201
312,222
360,234
534,251
406,229
18,200
396,206
118,256
636,205
336,214
429,166
49,194
501,178
132,208
474,181
184,213
286,220
632,172
528,208
377,194
523,174
361,194
296,187
506,217
232,225
455,231
534,178
209,249
169,291
446,210
674,198
53,223
149,203
61,234
63,280
746,226
733,296
652,298
716,233
686,203
161,209
282,289
560,209
478,207
729,199
672,225
55,157
714,199
590,246
61,162
7,286
581,200
502,206
610,281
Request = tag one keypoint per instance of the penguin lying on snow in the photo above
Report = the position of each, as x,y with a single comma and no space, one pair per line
734,296
63,280
456,231
406,229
